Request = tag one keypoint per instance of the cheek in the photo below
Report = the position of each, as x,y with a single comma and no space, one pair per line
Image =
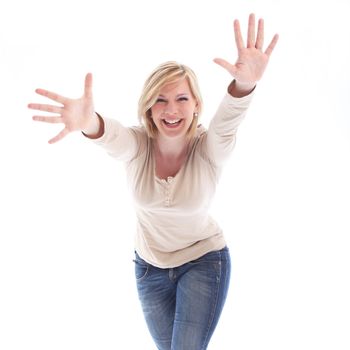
155,110
188,111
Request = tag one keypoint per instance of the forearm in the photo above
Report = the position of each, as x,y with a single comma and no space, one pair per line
237,89
221,135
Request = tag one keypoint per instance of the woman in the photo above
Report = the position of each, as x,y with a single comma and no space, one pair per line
182,263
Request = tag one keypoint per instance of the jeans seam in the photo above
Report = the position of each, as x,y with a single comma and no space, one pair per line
216,304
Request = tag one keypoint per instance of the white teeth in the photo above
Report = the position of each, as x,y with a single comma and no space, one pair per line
172,121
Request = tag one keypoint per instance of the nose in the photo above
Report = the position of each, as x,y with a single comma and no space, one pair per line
170,108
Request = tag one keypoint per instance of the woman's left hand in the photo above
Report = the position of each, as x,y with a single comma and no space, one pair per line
252,61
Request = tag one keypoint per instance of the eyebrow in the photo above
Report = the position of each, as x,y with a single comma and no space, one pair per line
181,94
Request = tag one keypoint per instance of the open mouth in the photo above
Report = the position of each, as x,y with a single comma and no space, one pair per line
172,123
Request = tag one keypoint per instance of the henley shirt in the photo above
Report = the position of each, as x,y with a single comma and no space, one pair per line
173,221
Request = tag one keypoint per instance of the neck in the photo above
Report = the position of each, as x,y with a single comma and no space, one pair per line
171,148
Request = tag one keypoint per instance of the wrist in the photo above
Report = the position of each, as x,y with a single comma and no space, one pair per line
95,129
239,89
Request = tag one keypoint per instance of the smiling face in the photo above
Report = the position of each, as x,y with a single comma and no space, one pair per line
173,110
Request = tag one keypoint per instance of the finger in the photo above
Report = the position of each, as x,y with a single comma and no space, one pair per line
223,63
51,95
272,45
238,35
260,36
53,120
228,66
88,86
45,108
59,136
251,31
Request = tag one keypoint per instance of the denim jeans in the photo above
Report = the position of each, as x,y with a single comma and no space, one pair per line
182,305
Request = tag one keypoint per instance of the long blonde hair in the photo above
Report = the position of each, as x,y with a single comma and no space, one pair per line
167,73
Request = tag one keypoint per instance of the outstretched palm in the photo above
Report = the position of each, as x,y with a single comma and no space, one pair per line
252,61
75,114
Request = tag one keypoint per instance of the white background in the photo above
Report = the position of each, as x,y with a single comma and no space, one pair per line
67,222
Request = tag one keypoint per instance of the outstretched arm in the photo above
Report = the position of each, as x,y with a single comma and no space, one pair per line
78,115
252,60
248,69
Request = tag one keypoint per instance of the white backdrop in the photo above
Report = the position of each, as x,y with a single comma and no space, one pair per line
67,222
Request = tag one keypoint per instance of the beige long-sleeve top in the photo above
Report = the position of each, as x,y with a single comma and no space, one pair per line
173,221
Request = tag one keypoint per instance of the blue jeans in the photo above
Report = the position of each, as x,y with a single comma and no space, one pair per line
182,305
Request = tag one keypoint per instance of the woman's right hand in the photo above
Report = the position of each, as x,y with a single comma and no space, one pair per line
75,114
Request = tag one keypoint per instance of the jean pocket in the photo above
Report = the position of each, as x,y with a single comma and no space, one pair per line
141,270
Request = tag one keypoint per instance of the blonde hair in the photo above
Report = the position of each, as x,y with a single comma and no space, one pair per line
167,73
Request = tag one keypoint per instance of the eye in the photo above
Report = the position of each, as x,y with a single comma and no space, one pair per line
159,99
183,99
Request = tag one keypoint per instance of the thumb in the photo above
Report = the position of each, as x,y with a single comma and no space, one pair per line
224,64
88,86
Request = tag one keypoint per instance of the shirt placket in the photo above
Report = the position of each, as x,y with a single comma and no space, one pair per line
167,191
